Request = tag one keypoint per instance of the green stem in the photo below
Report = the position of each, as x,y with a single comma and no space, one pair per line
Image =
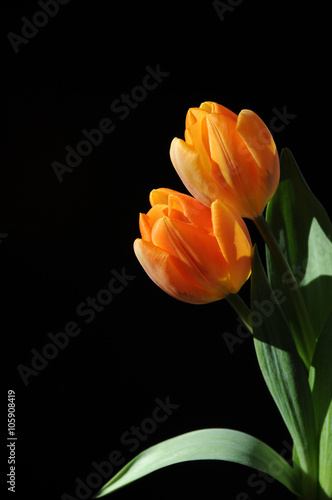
241,308
306,339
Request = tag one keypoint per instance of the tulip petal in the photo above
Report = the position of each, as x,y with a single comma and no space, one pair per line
160,196
180,206
193,173
213,107
169,274
196,134
257,137
234,168
262,147
199,251
154,214
193,211
145,227
221,145
234,242
194,117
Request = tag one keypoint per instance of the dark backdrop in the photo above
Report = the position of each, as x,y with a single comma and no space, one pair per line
62,242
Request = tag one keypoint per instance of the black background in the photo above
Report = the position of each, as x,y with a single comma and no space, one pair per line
64,239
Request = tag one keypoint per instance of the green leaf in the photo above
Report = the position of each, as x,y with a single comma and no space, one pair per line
284,371
207,444
320,378
304,232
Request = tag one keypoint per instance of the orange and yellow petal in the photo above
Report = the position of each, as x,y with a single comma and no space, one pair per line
234,242
203,261
193,173
196,134
169,274
191,209
160,196
155,213
261,145
145,227
234,167
213,107
258,138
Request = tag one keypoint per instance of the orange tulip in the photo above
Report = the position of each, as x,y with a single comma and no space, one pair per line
227,157
194,253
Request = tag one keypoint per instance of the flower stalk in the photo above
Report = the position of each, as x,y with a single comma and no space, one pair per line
241,308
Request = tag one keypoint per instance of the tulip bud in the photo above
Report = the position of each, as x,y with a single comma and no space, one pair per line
227,157
194,253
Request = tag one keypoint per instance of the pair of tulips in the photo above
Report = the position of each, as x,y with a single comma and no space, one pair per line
197,248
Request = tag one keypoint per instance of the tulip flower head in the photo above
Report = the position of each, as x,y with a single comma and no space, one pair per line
227,157
194,253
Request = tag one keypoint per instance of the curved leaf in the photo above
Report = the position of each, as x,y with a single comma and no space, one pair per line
206,444
320,378
304,232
